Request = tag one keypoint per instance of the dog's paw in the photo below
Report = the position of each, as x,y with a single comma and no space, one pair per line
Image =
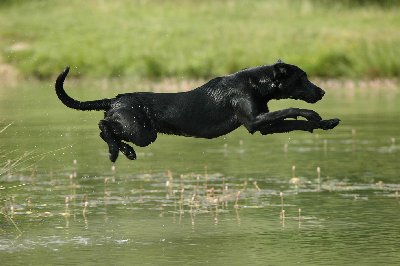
113,155
128,151
329,124
310,115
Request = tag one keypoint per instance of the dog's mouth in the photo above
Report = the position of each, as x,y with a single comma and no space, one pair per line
308,99
313,100
294,98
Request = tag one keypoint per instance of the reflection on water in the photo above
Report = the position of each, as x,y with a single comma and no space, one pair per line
294,198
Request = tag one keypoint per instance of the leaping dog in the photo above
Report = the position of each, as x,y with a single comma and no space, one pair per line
214,109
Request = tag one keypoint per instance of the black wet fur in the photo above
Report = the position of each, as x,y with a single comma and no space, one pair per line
209,111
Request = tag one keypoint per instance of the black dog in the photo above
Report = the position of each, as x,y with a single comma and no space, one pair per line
209,111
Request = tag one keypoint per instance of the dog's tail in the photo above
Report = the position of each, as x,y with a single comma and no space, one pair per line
97,105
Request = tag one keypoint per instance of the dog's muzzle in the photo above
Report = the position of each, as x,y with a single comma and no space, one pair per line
317,95
322,92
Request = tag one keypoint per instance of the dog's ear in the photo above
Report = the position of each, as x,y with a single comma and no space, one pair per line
279,70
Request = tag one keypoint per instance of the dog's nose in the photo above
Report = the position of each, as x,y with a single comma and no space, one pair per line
322,93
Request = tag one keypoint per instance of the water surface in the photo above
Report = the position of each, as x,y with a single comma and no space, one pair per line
195,201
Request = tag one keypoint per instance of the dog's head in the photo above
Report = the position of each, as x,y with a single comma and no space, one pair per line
285,81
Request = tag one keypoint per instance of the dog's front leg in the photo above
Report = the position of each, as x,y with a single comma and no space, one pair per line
289,113
247,112
287,126
263,119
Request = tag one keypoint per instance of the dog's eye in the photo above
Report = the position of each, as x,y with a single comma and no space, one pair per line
303,77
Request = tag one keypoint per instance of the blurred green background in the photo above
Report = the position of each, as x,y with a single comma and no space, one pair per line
62,202
198,39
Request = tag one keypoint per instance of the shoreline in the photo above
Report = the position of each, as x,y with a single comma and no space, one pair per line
183,84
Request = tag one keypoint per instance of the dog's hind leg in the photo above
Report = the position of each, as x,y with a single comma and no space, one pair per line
132,126
108,136
114,143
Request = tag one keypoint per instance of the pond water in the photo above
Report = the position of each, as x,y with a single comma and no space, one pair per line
332,197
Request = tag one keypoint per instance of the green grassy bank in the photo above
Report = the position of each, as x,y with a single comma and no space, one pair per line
191,39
